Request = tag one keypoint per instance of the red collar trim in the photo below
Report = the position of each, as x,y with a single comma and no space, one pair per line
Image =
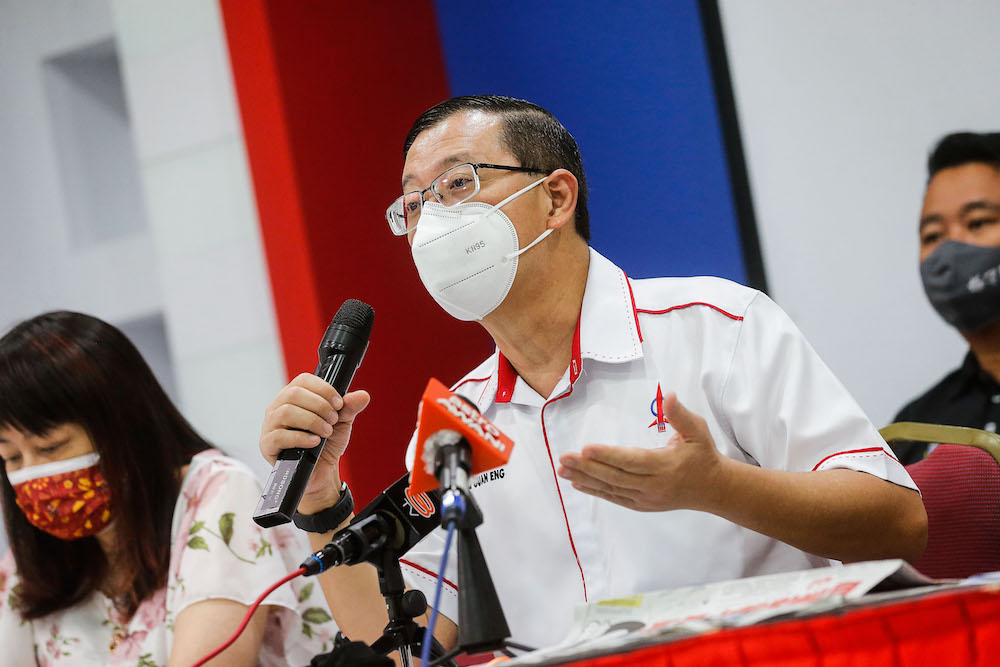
507,376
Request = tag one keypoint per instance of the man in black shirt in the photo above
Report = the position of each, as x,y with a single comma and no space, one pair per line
960,269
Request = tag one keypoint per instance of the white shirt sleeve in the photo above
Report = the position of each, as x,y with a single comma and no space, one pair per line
788,411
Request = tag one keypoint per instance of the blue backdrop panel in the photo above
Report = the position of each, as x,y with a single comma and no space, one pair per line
631,82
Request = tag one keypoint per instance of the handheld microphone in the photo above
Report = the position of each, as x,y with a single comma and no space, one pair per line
397,519
453,442
340,354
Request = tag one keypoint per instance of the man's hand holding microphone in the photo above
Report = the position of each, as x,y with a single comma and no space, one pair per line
305,410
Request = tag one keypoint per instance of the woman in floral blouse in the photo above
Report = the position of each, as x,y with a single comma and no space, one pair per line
131,538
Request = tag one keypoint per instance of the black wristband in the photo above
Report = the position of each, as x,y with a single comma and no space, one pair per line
329,519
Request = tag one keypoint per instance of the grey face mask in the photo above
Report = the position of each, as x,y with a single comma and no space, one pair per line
962,282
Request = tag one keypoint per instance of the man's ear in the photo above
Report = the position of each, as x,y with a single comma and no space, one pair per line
561,188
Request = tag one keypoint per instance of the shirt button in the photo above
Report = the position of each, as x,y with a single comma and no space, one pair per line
991,427
995,398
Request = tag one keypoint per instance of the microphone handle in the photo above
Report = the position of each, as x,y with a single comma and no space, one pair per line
333,366
453,463
291,472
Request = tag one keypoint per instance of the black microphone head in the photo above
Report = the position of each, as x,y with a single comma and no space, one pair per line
355,314
345,342
352,325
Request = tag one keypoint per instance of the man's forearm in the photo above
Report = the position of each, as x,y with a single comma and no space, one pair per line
842,514
353,596
351,592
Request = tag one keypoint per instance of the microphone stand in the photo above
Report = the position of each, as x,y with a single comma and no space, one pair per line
482,625
402,633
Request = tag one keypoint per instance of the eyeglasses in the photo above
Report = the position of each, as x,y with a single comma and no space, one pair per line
455,186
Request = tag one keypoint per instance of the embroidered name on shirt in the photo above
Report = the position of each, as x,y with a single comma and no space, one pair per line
490,476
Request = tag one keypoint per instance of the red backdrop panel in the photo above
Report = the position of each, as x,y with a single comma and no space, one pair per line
327,92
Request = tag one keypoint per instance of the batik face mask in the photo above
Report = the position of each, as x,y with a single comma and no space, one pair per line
962,282
68,499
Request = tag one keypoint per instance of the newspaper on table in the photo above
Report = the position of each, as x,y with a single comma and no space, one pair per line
651,618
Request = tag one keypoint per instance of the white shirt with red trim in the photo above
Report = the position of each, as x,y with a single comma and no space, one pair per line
734,358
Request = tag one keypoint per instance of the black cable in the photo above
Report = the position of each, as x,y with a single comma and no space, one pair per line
446,657
519,647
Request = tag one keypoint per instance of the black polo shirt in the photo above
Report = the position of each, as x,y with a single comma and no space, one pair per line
968,396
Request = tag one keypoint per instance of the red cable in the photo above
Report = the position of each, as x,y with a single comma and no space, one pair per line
246,619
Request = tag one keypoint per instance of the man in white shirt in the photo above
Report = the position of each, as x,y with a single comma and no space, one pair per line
614,487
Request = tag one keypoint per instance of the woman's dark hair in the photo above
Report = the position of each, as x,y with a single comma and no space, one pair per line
67,368
961,148
532,134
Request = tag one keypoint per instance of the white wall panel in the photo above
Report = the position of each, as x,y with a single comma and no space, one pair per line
839,104
145,28
181,98
215,299
225,394
99,173
200,205
200,199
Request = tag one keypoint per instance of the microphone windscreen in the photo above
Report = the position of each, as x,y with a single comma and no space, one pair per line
440,410
356,314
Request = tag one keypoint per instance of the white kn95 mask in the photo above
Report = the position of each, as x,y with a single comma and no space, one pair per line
466,255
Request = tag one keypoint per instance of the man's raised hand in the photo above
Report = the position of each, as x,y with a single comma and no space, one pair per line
682,475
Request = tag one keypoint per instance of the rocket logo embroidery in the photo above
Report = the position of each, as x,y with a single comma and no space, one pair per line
656,407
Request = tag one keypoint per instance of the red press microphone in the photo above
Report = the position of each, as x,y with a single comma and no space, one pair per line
454,441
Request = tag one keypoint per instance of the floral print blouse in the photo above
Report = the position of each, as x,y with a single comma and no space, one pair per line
218,552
